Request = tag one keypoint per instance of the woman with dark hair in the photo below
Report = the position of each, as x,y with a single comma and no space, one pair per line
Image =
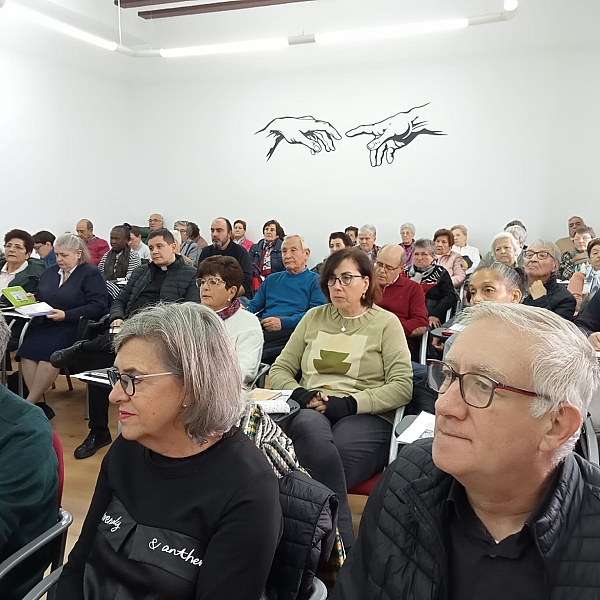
219,279
447,258
195,235
120,261
74,288
266,254
355,371
239,235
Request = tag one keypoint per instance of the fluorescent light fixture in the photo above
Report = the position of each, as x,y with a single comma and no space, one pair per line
50,23
510,5
384,33
251,46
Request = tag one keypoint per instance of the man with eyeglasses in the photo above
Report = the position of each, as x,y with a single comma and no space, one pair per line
284,297
166,279
497,505
542,260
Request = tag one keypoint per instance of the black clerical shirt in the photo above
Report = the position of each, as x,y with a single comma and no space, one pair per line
481,568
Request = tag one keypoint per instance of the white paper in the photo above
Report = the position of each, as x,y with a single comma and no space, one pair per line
39,309
421,427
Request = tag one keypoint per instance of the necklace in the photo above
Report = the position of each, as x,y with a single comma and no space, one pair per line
343,328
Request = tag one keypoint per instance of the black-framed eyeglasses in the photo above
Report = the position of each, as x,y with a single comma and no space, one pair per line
476,390
542,254
210,282
127,380
345,279
388,268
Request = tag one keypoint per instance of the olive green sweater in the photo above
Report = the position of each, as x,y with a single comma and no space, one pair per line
369,360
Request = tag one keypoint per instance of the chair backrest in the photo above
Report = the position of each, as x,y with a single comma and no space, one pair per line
259,380
57,445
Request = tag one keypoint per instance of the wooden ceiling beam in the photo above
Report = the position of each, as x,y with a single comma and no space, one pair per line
200,9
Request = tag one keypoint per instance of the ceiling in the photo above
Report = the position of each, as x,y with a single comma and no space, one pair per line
540,26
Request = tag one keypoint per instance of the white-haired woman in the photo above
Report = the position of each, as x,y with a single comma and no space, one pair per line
542,259
74,288
186,506
407,233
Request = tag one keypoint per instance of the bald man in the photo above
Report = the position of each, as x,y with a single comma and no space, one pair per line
97,247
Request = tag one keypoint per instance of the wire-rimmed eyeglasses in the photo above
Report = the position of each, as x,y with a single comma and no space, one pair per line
210,282
127,380
345,279
476,390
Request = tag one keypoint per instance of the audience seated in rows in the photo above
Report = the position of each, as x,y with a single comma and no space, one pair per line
17,268
367,236
566,244
400,295
447,258
166,279
28,486
43,244
120,261
470,254
445,520
352,233
573,261
265,255
338,240
355,371
74,288
283,298
179,399
239,235
407,233
219,278
221,233
586,282
189,248
97,247
440,295
541,263
589,322
135,243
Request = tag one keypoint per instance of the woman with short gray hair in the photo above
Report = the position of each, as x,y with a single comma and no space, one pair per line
179,466
189,248
542,260
74,288
407,233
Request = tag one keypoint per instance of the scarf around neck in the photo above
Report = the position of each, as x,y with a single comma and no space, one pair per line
579,259
116,264
230,310
430,273
267,258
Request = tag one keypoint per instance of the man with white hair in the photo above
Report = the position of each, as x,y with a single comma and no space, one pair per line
284,297
367,236
497,505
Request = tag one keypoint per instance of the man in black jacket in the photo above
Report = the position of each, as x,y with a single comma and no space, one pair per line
497,506
166,279
589,322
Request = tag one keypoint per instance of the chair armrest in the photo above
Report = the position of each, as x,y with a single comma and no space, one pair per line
393,443
44,585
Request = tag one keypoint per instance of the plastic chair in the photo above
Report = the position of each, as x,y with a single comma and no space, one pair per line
319,591
45,585
259,380
57,445
366,487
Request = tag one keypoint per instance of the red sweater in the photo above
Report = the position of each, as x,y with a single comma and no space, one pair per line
406,299
97,249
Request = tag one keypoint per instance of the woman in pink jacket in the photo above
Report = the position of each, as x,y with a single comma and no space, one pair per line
447,258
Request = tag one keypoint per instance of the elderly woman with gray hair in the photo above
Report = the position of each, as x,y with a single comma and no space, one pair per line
542,260
186,506
407,233
74,288
189,247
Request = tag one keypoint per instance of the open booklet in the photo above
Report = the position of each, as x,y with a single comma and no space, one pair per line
25,304
421,427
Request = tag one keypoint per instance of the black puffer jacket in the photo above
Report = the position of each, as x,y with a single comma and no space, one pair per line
309,523
400,553
179,285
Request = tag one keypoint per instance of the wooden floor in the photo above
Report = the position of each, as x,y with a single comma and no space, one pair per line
81,475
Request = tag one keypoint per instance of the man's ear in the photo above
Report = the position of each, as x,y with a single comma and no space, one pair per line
562,425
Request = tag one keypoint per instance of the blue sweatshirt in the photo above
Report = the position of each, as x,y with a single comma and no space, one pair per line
287,297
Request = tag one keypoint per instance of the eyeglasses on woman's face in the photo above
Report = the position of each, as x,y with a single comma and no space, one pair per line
128,381
476,390
210,282
345,279
15,247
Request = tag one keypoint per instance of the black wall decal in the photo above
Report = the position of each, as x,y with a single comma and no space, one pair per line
394,133
314,134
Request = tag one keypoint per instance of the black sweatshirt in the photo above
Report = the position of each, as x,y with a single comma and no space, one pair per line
203,527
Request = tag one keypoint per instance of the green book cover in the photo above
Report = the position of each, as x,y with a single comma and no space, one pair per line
17,296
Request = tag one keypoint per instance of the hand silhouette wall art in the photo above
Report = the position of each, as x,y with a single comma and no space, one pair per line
388,135
316,135
394,133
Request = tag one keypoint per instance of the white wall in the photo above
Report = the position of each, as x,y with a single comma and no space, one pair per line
521,143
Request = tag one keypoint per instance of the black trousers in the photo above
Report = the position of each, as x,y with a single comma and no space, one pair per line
341,455
275,342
